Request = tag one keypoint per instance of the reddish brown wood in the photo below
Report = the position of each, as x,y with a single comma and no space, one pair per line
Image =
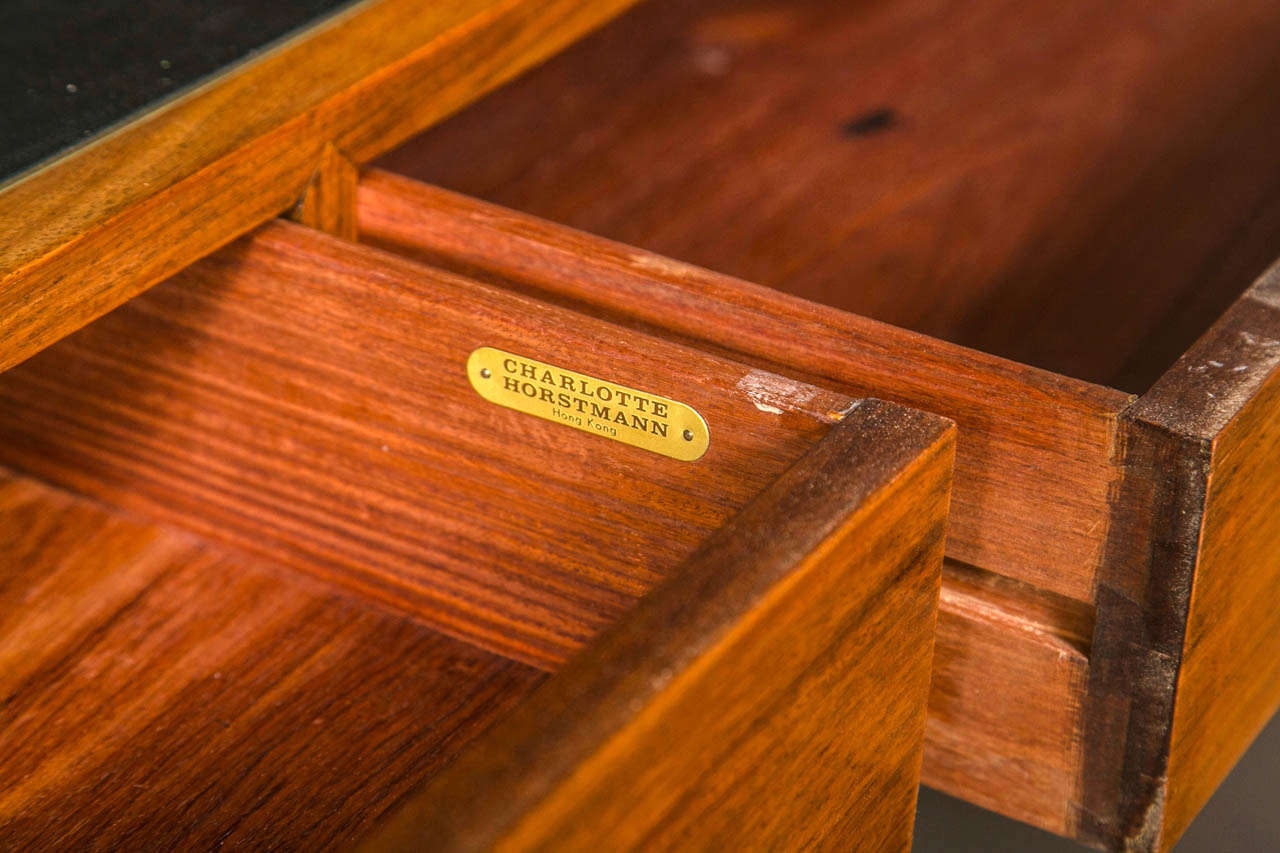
169,692
108,220
163,694
1186,658
1014,729
771,697
305,400
1006,708
1008,702
1082,188
851,153
1229,682
329,201
1093,219
160,695
1034,462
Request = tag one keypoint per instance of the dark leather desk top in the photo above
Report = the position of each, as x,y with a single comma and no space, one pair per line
70,69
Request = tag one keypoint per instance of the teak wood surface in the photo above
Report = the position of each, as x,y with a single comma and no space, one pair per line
774,681
1034,459
1097,669
324,561
160,694
1188,657
1078,190
1052,710
107,220
208,404
1006,707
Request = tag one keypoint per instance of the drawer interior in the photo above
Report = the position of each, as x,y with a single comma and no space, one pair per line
266,576
1080,188
1012,653
162,693
353,446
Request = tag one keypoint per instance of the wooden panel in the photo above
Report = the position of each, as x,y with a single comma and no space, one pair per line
1229,684
1034,463
773,697
305,400
107,221
1006,707
160,696
1184,665
1077,187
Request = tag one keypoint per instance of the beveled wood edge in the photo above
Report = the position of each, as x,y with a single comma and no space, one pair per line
91,229
1215,379
1228,683
1169,444
520,763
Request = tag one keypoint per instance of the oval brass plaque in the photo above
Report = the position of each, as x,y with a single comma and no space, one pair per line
593,405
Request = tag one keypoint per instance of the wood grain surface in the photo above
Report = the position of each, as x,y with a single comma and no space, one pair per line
161,693
1186,660
1034,463
168,691
110,219
305,400
1085,194
1081,188
1006,706
773,696
1229,683
156,694
1013,729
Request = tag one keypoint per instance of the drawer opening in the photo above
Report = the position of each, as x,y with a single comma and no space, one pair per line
308,554
269,564
1029,508
353,446
1017,217
1078,189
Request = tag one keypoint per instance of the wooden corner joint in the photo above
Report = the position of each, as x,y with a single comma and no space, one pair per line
329,201
1186,663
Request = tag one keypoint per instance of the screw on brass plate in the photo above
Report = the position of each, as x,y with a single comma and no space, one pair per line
484,373
688,435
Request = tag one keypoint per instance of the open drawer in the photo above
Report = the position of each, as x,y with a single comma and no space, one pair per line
1039,222
279,568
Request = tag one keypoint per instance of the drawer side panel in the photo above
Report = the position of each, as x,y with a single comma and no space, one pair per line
772,696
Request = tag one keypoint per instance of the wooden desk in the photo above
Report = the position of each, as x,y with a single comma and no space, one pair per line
1052,233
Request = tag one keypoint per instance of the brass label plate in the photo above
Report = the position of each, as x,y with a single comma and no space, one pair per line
633,417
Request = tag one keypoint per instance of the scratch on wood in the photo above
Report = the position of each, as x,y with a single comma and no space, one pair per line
660,265
775,394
